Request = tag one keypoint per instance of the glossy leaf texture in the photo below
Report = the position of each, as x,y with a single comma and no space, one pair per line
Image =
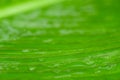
70,40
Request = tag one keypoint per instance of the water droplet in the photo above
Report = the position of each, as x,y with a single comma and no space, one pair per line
26,50
32,68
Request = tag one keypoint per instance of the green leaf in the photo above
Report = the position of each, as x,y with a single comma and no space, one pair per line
72,40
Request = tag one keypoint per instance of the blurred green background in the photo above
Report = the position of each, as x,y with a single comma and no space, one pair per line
69,40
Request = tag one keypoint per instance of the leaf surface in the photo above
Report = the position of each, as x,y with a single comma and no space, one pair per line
72,40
